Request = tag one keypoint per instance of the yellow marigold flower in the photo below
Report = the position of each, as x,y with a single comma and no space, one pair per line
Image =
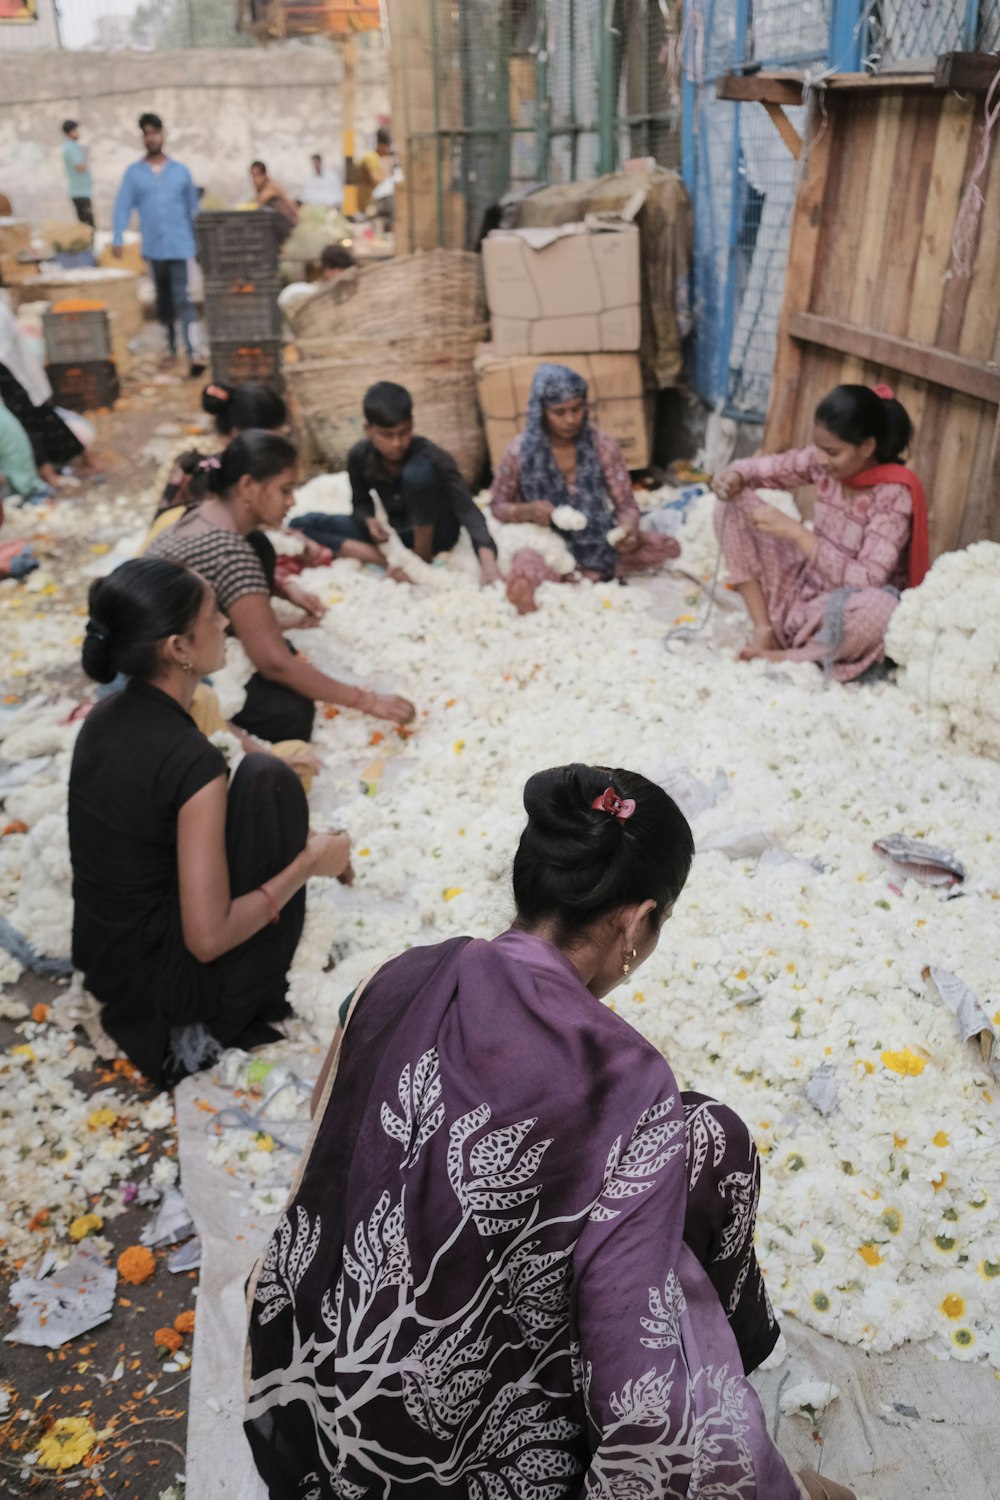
263,1141
870,1255
907,1062
452,892
458,746
28,1053
101,1117
66,1443
84,1225
953,1305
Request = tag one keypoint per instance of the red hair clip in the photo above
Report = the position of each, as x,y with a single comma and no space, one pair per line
621,808
885,391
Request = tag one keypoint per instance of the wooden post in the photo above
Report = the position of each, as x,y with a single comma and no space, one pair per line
807,216
348,93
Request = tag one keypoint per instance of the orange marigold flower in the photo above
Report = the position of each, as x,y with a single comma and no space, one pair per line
376,737
168,1340
184,1322
136,1264
15,827
40,1012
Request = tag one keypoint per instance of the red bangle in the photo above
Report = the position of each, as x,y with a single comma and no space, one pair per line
275,909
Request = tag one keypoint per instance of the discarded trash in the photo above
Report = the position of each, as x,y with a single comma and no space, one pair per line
55,1306
691,794
912,859
186,1257
171,1222
970,1013
821,1090
15,773
742,841
810,1399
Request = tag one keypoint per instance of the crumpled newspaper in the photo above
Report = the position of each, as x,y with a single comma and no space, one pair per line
970,1013
55,1306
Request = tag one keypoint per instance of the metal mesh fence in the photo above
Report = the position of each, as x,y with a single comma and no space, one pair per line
910,30
988,39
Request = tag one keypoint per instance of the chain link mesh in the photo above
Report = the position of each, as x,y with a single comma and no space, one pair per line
910,30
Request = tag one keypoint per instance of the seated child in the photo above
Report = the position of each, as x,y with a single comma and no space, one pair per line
425,497
826,595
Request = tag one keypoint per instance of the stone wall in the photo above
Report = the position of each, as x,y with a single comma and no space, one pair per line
221,109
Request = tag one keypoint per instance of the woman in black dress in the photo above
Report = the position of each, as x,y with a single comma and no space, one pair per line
188,888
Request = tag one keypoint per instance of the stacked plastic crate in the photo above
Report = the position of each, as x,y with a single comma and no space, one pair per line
238,252
78,358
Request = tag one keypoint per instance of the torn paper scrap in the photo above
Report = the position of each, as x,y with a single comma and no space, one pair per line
970,1013
59,1305
810,1399
170,1223
821,1090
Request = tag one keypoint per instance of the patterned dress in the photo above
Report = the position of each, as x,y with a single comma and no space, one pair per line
620,509
517,1264
835,608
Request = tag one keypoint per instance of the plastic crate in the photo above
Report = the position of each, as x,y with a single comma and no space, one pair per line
86,385
258,360
236,246
75,337
245,311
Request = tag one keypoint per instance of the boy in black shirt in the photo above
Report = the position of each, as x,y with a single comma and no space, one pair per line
425,497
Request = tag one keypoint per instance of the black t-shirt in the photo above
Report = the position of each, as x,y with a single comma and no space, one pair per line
367,472
138,758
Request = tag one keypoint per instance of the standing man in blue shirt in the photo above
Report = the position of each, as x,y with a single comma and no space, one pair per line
167,200
81,186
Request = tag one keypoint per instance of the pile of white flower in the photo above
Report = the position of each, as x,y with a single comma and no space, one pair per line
945,635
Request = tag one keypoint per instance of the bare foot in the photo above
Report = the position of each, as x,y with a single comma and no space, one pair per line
762,643
521,593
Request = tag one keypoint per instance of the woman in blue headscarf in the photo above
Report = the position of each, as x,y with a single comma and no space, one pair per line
560,461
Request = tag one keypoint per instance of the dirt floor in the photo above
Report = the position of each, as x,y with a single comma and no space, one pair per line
113,1375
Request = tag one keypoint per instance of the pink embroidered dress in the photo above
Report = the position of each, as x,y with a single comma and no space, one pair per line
653,549
835,608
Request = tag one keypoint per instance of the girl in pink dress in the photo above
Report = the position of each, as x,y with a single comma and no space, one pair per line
826,594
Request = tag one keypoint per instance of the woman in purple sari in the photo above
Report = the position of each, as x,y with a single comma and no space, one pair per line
518,1262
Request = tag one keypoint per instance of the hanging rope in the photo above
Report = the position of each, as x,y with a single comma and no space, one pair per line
966,231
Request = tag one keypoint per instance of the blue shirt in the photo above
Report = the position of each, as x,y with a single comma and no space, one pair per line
167,202
81,184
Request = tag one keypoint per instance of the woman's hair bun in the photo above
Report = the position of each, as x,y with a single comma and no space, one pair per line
575,862
216,397
97,653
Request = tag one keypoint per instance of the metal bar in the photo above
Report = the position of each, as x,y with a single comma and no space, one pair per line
689,115
653,117
735,206
464,130
438,172
606,91
970,31
543,113
845,36
574,138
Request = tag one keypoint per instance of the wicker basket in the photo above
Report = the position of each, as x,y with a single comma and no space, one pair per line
437,371
437,290
416,320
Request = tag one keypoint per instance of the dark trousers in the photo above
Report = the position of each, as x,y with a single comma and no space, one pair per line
84,210
267,824
170,280
423,504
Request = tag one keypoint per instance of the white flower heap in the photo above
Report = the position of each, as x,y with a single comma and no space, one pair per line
945,635
788,983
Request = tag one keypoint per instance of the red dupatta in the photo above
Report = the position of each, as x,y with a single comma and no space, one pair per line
919,556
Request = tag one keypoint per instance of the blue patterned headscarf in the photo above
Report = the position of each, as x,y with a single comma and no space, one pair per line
542,480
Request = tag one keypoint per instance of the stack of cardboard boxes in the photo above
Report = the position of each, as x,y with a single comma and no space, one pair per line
567,295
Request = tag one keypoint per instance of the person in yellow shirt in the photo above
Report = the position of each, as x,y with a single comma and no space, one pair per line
374,167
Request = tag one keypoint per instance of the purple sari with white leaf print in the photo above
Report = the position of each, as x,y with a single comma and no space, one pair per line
517,1264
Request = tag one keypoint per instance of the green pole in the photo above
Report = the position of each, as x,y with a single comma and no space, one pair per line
607,102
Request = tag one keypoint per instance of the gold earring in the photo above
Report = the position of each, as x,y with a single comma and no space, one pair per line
186,666
626,963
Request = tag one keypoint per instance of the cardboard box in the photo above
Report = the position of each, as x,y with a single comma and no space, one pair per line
574,288
618,404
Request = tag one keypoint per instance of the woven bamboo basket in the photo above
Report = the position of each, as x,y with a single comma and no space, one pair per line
328,391
416,320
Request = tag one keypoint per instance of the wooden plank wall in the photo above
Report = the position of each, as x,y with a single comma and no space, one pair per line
871,249
413,68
